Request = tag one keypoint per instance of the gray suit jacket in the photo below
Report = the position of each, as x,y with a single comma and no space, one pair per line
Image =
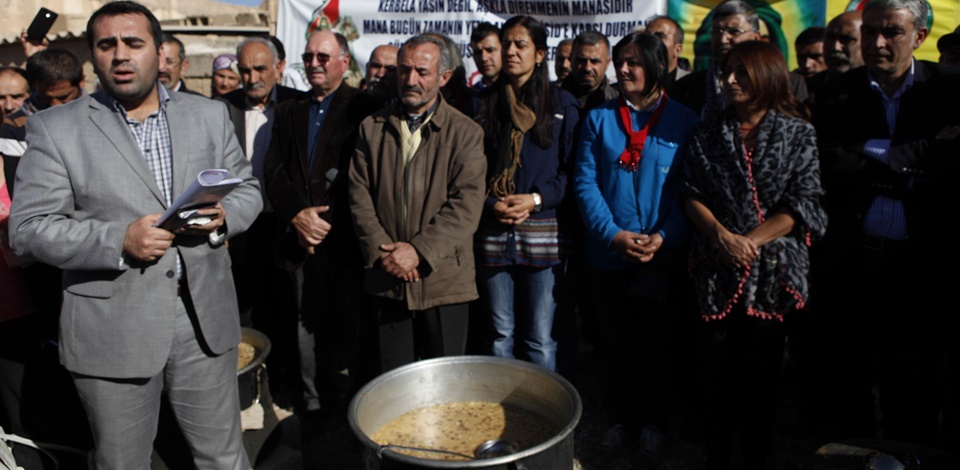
82,180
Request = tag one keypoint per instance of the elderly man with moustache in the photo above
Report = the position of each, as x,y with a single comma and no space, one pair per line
416,194
147,313
381,77
841,49
841,44
265,292
888,165
310,148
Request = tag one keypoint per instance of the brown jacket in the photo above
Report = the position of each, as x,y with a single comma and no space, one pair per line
444,198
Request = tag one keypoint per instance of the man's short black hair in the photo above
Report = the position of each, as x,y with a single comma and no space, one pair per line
171,39
52,66
482,31
811,35
125,7
591,38
678,30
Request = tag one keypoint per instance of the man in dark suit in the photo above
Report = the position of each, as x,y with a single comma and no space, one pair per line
265,291
884,152
147,313
313,139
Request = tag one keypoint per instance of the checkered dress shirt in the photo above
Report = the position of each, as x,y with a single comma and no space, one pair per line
153,138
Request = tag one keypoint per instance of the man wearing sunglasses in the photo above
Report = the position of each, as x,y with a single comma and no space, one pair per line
305,172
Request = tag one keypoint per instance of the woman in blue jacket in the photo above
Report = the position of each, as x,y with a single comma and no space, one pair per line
528,128
626,184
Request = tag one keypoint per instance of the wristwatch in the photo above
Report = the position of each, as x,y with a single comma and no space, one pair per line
537,202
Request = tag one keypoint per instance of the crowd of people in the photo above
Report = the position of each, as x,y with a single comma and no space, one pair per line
695,227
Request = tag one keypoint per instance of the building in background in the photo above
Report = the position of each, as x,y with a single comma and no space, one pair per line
207,28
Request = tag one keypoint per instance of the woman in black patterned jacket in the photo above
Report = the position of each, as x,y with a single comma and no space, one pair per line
752,189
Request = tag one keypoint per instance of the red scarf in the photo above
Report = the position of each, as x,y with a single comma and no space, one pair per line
630,158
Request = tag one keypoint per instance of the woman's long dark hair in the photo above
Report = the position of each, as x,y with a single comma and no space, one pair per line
769,77
536,93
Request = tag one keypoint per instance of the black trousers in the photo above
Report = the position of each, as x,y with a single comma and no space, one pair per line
390,336
879,324
637,347
740,369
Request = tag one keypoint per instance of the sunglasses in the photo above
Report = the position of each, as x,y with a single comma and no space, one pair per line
322,58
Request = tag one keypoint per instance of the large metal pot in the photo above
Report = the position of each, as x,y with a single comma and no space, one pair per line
468,378
250,379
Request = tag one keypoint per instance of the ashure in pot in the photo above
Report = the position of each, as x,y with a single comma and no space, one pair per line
509,382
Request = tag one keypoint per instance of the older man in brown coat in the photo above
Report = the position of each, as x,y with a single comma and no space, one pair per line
416,193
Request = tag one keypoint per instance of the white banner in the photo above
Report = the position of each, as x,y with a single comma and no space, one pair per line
370,23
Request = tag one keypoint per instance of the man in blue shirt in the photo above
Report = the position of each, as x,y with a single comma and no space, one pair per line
880,145
312,140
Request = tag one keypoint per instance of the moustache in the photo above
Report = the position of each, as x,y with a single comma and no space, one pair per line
414,88
316,69
373,80
838,57
257,86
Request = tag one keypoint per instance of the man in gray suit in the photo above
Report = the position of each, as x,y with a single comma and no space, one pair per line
145,311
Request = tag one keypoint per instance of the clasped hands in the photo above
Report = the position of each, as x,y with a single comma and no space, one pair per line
400,260
636,247
737,251
514,209
145,242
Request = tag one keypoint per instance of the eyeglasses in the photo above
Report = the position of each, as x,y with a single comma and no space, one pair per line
733,32
171,62
322,58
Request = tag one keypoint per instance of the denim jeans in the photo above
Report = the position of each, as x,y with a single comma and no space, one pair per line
521,303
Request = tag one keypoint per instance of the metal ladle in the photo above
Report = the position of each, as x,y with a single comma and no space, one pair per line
420,449
496,448
488,450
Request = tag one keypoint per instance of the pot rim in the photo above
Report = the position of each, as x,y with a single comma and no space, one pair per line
562,434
